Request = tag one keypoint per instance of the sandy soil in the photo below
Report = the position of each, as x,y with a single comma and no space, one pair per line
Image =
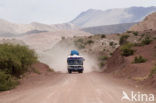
68,88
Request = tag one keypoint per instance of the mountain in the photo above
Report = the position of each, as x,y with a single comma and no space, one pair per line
149,23
92,17
109,29
12,29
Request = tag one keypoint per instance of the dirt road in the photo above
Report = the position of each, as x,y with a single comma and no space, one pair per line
68,88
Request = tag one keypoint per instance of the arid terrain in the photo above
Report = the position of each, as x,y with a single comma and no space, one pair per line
115,66
92,87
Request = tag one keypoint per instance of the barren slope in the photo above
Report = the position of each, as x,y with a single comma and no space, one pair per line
149,23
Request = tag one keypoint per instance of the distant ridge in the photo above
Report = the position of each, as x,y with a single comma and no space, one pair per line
109,29
12,29
92,17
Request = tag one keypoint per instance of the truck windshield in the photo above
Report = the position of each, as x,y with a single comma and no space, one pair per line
75,62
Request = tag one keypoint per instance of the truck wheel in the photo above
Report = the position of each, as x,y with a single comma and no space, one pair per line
80,71
69,71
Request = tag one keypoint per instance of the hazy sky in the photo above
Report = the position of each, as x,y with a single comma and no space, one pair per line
58,11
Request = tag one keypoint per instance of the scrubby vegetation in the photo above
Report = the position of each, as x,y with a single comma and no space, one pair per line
126,49
139,59
111,43
14,62
146,41
103,36
102,58
80,43
7,81
123,39
102,64
153,71
135,33
129,31
102,61
89,42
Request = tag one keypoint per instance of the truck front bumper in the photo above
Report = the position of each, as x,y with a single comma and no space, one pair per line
75,68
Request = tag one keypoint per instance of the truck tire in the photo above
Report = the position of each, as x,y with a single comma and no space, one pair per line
81,71
69,71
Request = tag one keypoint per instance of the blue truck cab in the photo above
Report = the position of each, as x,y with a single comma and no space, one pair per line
75,62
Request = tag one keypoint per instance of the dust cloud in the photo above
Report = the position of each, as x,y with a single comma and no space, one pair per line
56,58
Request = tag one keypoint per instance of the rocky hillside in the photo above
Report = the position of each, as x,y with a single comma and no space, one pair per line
149,23
109,29
135,59
13,29
141,66
91,17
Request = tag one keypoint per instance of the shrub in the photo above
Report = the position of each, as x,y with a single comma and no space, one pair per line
135,33
153,71
81,46
15,59
123,39
110,54
103,58
90,37
126,49
7,81
142,35
79,40
102,64
111,43
146,41
90,42
103,35
129,31
80,43
139,59
63,38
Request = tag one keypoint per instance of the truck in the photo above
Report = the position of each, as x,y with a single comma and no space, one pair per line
75,62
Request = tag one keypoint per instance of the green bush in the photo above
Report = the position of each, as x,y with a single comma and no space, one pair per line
103,35
90,42
7,81
153,71
15,59
135,33
102,64
142,35
123,39
146,41
139,59
126,49
110,54
111,43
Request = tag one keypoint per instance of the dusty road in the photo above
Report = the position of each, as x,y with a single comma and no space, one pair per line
69,88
